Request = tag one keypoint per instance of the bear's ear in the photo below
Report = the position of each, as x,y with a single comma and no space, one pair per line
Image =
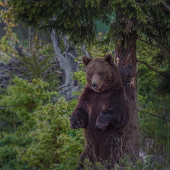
109,59
86,60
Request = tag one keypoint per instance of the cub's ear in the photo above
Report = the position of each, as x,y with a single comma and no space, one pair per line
86,60
109,59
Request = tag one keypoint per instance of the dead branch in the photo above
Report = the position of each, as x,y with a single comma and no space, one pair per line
21,52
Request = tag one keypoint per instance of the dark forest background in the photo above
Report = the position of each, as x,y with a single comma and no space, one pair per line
42,76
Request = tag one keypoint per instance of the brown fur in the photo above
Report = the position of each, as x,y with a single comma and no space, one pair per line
103,112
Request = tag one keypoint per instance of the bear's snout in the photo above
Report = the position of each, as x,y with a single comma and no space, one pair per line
94,85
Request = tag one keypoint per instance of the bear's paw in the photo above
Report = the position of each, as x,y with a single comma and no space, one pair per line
101,126
78,124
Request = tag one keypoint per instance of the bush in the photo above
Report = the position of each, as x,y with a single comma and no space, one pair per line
40,135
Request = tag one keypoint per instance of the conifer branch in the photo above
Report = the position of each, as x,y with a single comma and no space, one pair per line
152,114
150,67
156,39
147,42
138,3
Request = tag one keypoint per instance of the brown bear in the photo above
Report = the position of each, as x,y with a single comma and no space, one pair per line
103,111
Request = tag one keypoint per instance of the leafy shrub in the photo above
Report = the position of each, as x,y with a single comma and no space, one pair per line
54,145
41,137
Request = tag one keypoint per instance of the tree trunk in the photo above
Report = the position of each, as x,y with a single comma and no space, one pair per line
125,59
66,55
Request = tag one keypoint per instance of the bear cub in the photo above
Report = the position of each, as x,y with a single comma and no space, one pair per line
103,111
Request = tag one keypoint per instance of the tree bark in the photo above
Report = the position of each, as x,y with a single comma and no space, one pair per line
126,61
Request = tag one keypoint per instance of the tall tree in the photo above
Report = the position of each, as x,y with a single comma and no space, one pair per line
130,20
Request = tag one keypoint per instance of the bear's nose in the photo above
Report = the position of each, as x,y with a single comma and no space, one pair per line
94,85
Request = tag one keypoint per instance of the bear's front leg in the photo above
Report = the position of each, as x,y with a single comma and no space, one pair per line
103,120
78,119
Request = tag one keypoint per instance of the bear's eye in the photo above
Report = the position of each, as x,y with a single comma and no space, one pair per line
90,74
100,74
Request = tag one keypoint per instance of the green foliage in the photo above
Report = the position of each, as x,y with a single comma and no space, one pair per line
9,38
41,136
53,142
145,75
39,64
124,163
81,77
78,19
149,100
145,20
19,102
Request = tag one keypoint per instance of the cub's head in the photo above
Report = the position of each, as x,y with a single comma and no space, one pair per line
101,73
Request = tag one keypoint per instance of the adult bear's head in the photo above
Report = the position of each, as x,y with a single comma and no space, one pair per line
101,73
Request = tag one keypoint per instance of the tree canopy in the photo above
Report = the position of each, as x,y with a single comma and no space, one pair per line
78,18
148,21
